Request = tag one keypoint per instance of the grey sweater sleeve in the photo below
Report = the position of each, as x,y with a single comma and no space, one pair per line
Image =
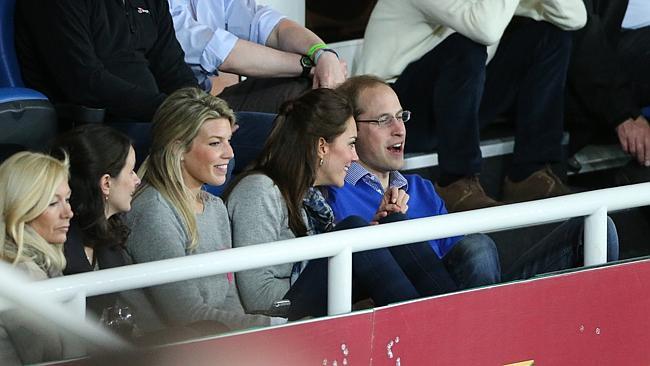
156,234
258,215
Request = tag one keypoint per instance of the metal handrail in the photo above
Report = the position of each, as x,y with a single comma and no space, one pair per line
340,245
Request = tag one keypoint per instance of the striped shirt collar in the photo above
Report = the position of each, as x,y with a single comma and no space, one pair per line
357,172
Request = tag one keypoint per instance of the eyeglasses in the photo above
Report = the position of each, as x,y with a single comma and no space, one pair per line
386,120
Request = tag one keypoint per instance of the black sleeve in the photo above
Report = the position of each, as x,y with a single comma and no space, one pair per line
167,57
63,38
597,78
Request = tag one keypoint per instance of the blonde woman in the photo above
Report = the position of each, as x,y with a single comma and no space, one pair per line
34,219
172,216
36,213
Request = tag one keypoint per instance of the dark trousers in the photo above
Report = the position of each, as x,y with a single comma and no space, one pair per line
385,275
634,51
562,249
452,94
264,94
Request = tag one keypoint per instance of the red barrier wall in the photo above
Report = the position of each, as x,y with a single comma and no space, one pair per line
594,317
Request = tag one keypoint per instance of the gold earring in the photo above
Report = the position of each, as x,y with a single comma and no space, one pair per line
321,162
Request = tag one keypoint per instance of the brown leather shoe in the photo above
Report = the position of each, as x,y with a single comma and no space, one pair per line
465,194
541,184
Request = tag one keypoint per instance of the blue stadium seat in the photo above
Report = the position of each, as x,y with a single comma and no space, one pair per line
27,118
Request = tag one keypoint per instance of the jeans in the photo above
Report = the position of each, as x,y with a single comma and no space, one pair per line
452,94
561,249
385,275
474,261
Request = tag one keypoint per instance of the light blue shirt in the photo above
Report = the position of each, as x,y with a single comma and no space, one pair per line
208,30
637,14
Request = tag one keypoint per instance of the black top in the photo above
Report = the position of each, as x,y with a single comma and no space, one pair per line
75,255
121,55
105,256
598,77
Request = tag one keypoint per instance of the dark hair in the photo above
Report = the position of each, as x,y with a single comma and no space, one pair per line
290,156
354,86
94,150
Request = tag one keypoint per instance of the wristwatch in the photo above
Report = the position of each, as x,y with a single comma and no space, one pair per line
306,64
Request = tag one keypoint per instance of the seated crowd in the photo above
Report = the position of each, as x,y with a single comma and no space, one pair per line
328,161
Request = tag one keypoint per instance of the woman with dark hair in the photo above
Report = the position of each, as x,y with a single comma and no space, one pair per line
312,145
102,182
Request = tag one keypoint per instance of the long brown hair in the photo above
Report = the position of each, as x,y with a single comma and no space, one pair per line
290,156
175,125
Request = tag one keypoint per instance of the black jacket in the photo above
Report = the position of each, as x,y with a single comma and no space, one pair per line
121,55
600,89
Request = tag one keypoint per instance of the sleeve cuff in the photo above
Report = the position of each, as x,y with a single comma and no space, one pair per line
217,50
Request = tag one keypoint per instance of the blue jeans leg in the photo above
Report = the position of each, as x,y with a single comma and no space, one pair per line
561,249
421,264
474,261
375,271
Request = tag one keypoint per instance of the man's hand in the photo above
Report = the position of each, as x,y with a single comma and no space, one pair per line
634,136
329,72
394,200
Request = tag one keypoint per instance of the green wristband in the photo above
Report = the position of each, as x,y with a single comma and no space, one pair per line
315,47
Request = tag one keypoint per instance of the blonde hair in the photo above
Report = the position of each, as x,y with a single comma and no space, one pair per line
175,125
28,182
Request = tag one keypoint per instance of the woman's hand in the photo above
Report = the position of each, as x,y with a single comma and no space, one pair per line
394,200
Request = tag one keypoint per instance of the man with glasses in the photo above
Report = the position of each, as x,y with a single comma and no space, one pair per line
459,64
471,260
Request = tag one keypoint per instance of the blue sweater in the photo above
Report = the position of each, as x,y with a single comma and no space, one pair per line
363,200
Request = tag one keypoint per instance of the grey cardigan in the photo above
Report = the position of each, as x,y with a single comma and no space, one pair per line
258,214
157,233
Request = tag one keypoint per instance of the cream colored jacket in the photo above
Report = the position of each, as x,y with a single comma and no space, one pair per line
401,31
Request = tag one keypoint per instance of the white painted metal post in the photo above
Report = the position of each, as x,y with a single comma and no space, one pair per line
596,237
78,305
339,283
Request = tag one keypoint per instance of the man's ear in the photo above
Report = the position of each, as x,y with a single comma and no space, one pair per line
105,184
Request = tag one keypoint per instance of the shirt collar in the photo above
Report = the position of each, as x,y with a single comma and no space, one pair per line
357,171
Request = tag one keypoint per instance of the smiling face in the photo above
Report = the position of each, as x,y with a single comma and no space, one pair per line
120,189
53,224
337,157
207,159
381,149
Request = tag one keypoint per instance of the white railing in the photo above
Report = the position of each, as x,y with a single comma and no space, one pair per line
339,246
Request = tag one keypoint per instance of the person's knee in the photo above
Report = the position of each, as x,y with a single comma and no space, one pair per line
475,261
464,54
393,217
478,247
351,222
552,36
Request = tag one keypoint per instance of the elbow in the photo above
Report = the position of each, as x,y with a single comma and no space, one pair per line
487,35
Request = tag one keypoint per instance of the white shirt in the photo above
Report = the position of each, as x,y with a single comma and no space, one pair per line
637,14
208,29
401,31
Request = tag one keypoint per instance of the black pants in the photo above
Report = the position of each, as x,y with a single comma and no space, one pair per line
264,94
452,94
385,275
